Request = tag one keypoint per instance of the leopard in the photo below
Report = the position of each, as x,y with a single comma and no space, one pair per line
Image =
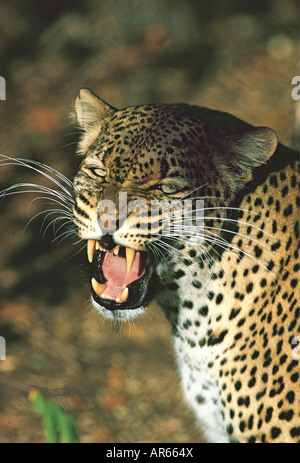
224,269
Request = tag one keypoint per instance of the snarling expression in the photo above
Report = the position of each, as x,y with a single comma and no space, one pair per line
138,165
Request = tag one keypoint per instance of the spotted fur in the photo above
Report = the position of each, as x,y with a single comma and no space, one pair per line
231,296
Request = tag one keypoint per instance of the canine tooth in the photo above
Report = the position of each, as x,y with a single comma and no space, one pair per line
130,255
97,246
98,287
116,250
90,250
124,295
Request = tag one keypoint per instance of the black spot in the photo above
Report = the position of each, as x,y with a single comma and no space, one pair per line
258,202
286,415
282,176
279,346
269,413
255,269
234,313
285,276
229,429
260,394
203,310
274,226
275,246
241,322
252,382
200,399
283,359
263,283
249,287
178,274
260,408
219,298
275,432
213,340
197,284
186,324
258,251
295,377
273,181
295,432
290,397
242,426
288,210
187,303
284,191
237,385
267,362
270,265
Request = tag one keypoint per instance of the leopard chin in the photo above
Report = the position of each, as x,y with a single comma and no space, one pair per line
121,280
121,315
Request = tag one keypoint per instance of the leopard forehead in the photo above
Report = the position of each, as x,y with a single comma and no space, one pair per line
142,144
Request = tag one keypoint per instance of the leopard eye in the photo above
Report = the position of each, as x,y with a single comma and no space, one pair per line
98,171
169,189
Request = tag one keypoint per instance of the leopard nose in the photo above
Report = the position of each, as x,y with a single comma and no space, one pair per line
109,223
107,242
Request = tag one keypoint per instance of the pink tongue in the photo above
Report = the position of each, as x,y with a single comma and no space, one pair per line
115,272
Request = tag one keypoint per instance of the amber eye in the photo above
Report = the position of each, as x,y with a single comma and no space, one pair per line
98,171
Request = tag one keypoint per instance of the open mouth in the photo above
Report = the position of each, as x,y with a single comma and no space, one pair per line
120,276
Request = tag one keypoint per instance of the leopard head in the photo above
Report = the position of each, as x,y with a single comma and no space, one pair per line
139,167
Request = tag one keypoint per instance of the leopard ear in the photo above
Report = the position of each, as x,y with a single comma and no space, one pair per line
250,149
90,109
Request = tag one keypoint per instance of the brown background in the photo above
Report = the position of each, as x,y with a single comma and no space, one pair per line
120,384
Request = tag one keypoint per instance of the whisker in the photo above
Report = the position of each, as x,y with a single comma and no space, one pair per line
190,230
30,164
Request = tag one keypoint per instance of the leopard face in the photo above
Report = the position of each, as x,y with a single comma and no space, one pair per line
140,166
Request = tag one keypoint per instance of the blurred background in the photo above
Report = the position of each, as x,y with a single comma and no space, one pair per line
120,384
